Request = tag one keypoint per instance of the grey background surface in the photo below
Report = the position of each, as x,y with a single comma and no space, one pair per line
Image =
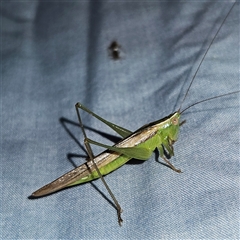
54,54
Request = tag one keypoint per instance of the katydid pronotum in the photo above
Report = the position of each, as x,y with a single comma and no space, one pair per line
161,134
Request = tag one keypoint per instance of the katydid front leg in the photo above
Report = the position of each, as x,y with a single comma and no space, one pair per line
169,147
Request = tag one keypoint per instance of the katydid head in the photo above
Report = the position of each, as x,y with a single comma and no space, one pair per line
174,127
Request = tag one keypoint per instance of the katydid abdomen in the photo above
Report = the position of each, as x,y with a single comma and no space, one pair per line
110,167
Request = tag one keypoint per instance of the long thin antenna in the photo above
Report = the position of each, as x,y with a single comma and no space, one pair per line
223,95
203,59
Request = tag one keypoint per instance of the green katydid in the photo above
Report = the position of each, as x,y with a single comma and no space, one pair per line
161,134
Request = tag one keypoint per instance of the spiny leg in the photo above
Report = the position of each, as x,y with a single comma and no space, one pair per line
118,129
90,153
161,152
173,168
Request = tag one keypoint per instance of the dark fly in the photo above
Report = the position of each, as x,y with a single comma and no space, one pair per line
114,50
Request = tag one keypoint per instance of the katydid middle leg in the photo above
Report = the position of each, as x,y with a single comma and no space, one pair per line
91,158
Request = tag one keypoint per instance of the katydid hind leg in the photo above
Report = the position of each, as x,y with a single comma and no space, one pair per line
123,132
91,156
132,152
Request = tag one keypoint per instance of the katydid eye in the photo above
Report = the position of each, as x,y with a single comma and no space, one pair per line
175,121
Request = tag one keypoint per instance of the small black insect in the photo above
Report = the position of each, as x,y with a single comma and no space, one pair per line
114,50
